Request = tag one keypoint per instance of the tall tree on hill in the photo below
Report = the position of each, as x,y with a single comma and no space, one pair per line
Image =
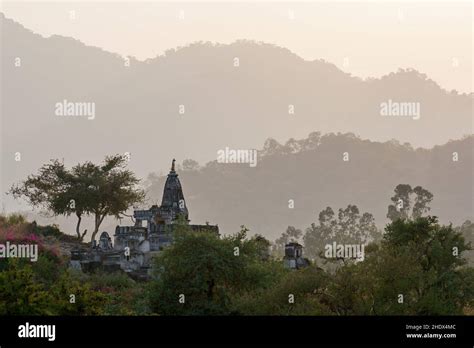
55,189
409,203
99,190
111,189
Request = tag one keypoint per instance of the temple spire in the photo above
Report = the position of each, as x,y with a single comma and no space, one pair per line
173,199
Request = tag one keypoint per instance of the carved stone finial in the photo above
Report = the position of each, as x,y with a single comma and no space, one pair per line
172,165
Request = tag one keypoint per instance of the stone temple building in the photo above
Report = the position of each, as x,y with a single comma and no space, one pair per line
134,246
293,258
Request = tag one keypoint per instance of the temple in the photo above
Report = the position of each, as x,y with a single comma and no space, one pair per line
134,246
293,258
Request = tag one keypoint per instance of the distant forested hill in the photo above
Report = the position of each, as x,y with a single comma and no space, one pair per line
312,172
137,105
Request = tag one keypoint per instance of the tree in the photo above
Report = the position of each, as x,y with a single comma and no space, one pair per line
294,293
422,200
431,270
312,142
262,246
24,291
111,189
190,165
87,301
57,190
271,147
200,273
467,230
417,269
349,227
20,294
100,190
291,146
293,234
403,201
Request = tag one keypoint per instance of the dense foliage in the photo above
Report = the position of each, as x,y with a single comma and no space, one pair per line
417,268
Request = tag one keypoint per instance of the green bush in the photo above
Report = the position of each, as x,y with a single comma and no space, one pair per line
47,231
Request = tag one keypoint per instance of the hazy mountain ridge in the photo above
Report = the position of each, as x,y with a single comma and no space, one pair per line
138,112
317,177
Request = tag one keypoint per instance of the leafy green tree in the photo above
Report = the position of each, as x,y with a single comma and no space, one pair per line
295,293
100,190
45,288
349,291
262,246
124,296
111,189
73,297
20,293
199,273
420,260
54,189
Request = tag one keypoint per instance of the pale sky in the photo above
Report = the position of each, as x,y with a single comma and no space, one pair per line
373,38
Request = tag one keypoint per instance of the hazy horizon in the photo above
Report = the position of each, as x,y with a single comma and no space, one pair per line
368,41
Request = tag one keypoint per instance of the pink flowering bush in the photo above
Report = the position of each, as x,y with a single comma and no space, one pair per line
21,232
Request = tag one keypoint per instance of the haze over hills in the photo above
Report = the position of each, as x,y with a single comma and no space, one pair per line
137,111
312,172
